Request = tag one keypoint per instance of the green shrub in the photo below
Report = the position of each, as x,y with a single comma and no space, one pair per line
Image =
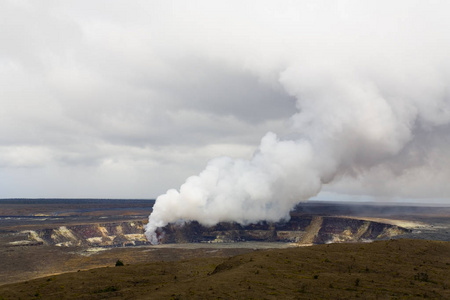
421,277
119,263
108,289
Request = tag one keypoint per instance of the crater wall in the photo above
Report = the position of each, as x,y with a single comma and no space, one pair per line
299,229
304,230
120,234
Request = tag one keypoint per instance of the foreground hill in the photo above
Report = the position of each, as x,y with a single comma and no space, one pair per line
395,269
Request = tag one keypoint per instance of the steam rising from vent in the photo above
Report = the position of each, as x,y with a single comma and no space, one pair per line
264,188
345,129
361,114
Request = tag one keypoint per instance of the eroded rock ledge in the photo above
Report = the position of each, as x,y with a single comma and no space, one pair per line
120,234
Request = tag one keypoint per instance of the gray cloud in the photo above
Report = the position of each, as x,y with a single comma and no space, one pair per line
95,95
88,95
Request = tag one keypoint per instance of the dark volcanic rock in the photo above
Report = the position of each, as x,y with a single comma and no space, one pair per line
299,229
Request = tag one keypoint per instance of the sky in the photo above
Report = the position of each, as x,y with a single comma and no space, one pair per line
120,99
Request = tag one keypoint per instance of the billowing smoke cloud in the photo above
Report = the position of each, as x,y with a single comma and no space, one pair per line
372,84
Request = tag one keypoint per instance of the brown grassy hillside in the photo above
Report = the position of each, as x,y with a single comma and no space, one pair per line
396,269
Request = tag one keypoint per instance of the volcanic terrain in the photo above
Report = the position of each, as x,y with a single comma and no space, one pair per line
47,237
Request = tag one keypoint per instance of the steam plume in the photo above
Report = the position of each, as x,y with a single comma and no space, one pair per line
359,112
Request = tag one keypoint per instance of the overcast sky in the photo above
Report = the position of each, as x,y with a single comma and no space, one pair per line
126,99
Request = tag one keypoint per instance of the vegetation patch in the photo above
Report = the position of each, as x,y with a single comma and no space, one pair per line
383,270
107,290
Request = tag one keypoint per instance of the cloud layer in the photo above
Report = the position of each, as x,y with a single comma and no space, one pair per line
121,99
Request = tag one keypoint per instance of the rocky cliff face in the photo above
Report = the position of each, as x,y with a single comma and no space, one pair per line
93,235
302,230
335,230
